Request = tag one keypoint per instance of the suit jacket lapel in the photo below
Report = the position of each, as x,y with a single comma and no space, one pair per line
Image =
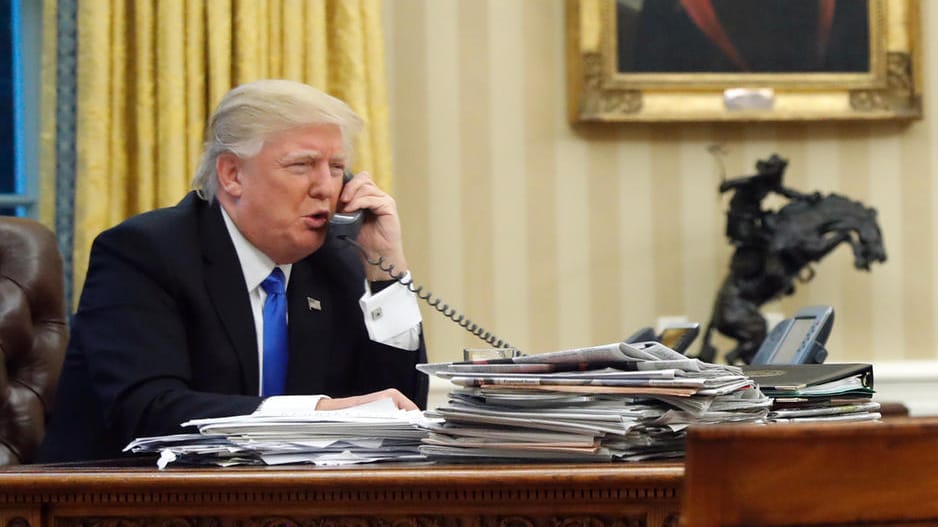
224,280
310,329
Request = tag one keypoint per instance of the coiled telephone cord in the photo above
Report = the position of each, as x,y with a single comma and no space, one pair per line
433,301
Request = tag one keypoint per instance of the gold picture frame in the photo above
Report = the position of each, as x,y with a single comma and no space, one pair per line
889,86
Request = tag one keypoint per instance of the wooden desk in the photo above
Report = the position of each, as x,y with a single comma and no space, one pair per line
881,474
602,495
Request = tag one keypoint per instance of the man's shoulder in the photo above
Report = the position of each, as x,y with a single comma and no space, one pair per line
171,222
176,232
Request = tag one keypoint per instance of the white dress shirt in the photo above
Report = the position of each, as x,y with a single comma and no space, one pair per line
392,316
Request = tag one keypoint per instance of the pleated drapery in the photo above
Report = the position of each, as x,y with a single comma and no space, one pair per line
150,73
47,158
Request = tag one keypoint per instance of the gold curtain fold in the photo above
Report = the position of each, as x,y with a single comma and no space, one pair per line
47,116
149,74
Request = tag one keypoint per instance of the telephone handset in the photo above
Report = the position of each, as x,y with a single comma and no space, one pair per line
798,340
346,226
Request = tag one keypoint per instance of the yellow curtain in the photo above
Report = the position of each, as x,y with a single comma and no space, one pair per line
150,73
47,116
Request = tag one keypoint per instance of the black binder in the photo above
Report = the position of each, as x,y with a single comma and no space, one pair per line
813,380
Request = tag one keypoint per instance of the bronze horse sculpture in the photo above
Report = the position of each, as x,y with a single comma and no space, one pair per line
774,249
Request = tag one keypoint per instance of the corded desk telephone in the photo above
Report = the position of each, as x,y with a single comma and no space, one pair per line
346,226
798,340
675,336
679,336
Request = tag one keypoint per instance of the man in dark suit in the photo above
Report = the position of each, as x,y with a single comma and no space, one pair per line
173,319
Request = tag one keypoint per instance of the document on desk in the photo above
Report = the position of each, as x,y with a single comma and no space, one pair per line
368,433
639,357
379,416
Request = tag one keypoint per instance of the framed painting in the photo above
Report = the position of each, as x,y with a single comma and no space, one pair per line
743,60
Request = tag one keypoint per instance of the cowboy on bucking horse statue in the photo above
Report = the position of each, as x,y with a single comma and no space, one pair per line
773,248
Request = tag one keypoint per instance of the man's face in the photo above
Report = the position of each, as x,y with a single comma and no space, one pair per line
281,199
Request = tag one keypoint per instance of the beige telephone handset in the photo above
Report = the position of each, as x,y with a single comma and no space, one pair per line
346,226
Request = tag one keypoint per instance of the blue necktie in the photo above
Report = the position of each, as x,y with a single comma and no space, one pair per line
275,334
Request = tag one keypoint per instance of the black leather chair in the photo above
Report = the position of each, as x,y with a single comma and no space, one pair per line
33,334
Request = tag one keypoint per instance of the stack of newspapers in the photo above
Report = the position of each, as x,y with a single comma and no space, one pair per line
372,432
620,401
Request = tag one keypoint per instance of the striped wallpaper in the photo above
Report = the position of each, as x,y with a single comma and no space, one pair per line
553,237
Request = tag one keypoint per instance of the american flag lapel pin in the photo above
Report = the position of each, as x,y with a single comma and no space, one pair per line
313,304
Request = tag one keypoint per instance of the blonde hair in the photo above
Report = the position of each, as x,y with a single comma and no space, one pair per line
250,113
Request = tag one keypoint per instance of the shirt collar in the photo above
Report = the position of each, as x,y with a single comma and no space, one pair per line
254,264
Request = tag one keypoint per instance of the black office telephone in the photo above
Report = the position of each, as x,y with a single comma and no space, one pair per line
678,336
798,340
346,226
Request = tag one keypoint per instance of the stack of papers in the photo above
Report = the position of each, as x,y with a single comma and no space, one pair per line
372,432
824,411
817,392
613,402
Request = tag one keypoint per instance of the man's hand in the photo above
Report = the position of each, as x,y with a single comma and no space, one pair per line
399,399
381,232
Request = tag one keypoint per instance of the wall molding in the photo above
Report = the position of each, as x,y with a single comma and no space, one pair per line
911,382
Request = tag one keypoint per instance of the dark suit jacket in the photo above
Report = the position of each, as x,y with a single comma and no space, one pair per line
164,333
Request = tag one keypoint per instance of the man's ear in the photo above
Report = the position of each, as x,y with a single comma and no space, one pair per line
228,168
